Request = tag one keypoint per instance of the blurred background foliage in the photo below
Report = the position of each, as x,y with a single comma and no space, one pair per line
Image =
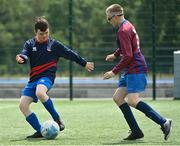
93,37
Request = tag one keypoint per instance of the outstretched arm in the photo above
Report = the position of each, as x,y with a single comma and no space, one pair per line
63,51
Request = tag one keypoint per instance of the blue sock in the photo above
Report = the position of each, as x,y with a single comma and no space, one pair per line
126,110
151,113
50,108
34,122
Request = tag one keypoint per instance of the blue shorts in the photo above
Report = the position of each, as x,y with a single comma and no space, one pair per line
135,83
30,89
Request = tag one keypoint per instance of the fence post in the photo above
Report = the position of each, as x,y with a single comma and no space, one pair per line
70,44
153,50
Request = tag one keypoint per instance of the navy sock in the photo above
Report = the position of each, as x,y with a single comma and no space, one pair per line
126,110
151,113
34,122
50,108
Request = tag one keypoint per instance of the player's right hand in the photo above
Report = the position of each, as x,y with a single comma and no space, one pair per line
110,57
89,66
19,59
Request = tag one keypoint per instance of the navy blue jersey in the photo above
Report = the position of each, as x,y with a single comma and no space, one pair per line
44,57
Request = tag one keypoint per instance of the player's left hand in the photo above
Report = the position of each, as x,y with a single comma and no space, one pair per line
89,66
108,75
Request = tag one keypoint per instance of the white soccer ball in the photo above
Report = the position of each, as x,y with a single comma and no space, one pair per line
50,129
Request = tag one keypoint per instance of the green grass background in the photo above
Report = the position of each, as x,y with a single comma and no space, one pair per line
88,122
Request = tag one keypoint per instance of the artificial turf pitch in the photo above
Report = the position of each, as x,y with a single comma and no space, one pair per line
88,122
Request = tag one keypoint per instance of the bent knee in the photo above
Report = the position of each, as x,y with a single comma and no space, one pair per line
115,98
23,107
40,94
118,100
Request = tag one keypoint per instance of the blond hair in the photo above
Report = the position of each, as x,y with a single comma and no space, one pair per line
115,9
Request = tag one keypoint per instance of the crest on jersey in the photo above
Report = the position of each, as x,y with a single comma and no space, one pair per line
49,49
34,49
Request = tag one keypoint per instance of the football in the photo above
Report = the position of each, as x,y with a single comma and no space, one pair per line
50,129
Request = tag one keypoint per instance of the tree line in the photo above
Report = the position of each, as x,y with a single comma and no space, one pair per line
93,37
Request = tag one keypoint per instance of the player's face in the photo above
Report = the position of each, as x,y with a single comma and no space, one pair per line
110,17
42,36
111,20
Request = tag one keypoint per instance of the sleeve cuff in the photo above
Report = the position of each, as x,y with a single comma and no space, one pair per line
115,71
83,63
116,55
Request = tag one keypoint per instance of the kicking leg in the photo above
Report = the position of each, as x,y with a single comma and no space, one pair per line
41,93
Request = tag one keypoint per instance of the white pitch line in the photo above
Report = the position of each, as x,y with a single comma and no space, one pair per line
9,106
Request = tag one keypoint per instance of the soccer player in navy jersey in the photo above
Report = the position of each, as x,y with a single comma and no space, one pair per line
43,53
133,80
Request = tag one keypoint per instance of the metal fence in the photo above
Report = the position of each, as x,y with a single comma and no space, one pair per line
156,22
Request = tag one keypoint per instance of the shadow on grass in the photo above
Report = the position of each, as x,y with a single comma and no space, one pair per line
20,139
138,142
125,142
31,139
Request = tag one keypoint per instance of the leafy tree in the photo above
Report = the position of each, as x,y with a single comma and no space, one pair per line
93,37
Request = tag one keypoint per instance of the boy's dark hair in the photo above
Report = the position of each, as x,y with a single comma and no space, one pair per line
41,23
